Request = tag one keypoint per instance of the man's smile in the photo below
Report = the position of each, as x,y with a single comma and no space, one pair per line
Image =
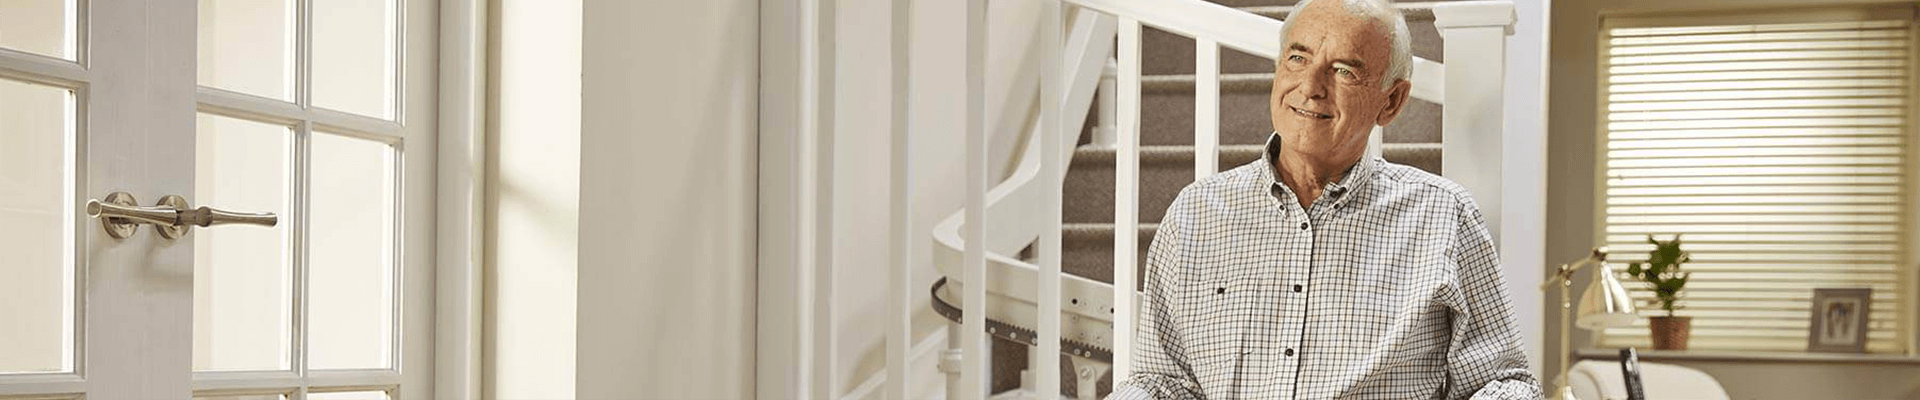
1309,114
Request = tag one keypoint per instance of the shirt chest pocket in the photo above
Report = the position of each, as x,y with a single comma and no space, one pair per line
1216,320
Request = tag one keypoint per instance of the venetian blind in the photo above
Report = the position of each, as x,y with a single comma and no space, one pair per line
1780,152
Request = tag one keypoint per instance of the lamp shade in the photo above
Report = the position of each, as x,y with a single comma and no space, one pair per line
1605,303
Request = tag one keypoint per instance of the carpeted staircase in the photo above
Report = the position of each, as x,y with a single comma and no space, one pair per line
1167,152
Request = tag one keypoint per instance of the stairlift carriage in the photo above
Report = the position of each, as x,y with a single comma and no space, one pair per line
1509,183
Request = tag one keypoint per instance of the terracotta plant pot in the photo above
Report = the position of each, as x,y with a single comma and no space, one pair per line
1670,333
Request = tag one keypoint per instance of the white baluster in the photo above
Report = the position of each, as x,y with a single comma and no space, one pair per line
1126,198
1376,146
900,209
1206,108
974,278
1053,134
1103,131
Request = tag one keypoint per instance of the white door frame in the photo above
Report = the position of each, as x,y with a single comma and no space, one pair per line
461,202
790,358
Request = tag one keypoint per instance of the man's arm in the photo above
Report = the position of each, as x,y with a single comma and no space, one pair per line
1160,369
1485,360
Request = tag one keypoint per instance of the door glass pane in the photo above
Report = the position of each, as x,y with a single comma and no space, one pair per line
36,204
353,56
359,395
247,47
242,287
351,274
44,27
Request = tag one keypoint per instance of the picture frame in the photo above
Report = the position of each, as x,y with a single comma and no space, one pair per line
1839,320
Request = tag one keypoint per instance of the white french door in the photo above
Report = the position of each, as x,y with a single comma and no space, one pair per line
142,145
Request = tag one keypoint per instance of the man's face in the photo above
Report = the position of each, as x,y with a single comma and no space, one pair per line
1326,87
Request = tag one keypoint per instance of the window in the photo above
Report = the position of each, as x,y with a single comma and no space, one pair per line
1782,148
300,116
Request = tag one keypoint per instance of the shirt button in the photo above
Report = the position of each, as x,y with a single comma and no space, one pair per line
1303,226
1297,288
1289,352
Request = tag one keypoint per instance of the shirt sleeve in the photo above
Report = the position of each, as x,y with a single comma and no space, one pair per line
1485,359
1160,369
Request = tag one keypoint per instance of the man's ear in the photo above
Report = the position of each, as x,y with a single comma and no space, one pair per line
1396,100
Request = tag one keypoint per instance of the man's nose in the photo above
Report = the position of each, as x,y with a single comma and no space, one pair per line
1316,85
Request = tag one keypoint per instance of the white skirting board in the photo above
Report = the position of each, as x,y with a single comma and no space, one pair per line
924,360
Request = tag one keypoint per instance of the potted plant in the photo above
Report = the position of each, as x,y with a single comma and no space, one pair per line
1662,272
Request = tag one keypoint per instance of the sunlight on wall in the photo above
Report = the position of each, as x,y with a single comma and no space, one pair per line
533,200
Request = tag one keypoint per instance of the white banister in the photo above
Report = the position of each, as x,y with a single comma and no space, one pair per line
900,207
1089,52
974,359
1206,108
1126,199
1240,30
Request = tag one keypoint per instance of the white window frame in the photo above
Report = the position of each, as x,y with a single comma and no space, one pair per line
460,204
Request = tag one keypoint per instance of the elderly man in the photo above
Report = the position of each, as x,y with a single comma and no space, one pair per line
1320,272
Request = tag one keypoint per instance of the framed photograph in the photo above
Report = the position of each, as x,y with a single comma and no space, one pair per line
1839,320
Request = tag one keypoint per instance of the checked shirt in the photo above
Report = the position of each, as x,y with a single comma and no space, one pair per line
1387,287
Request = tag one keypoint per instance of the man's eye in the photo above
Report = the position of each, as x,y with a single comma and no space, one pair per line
1347,73
1296,58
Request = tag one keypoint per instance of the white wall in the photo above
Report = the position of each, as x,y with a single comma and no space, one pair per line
622,199
667,185
533,200
862,147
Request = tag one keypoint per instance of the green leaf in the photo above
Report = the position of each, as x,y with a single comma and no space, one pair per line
1633,269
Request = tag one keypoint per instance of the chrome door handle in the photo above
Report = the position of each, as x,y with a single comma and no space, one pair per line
209,216
172,216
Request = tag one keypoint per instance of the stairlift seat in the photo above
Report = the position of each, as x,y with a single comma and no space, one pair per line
1601,380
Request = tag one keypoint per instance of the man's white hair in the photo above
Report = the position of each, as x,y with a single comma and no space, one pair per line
1387,16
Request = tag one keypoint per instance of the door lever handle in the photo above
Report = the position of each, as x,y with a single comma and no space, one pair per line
172,216
209,216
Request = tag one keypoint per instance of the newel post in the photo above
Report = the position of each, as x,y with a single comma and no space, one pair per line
1504,167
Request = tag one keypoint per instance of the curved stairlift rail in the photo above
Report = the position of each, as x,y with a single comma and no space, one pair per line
1014,213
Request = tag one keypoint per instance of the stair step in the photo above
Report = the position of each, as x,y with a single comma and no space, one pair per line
1087,249
1164,170
1230,155
1261,82
1167,53
1166,118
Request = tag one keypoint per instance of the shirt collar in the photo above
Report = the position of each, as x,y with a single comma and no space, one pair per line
1358,174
